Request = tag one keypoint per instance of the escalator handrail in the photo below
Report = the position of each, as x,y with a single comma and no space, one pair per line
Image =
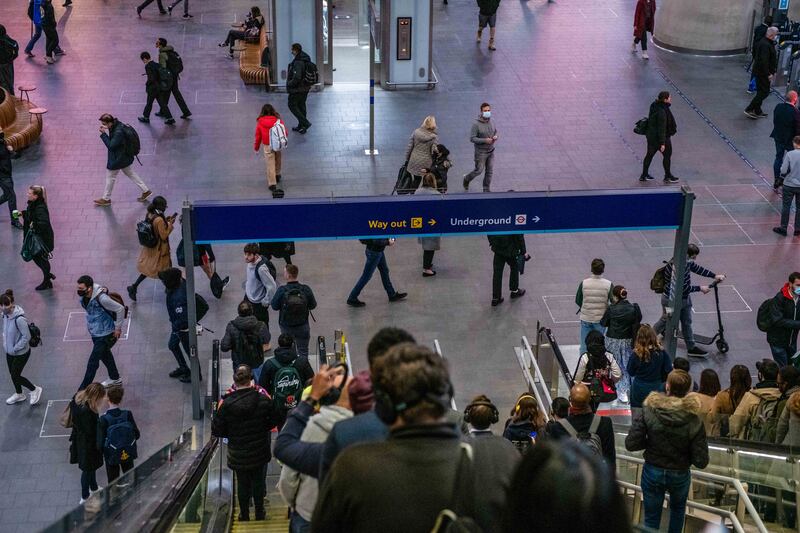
562,363
707,476
165,515
438,349
544,408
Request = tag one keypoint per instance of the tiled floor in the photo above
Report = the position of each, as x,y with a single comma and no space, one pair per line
565,92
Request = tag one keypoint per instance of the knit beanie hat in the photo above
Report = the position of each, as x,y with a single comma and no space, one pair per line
360,393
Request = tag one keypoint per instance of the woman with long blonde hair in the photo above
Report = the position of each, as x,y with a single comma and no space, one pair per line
419,153
525,423
85,408
649,366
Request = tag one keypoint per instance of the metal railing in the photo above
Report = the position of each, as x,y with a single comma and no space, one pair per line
536,386
438,349
735,518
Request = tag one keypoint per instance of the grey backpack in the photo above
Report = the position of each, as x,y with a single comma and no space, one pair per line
590,439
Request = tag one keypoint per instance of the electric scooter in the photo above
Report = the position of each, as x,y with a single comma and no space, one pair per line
719,336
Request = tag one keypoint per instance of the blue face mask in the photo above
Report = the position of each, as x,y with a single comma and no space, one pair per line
797,291
487,114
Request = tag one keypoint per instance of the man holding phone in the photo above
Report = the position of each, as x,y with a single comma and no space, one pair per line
484,136
113,134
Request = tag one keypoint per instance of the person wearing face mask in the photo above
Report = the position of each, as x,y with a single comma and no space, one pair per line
785,323
153,260
484,136
686,308
297,87
104,319
16,339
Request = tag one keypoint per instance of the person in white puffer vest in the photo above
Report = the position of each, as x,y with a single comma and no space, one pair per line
593,298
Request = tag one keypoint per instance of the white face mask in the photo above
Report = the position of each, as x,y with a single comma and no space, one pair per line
486,114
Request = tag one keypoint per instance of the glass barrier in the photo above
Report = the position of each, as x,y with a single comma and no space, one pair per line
137,494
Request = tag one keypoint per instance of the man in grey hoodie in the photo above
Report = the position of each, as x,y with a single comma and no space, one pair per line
484,136
104,319
790,170
260,286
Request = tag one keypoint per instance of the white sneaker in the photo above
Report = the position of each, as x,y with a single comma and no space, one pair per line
81,502
16,398
633,48
111,382
645,56
623,398
36,394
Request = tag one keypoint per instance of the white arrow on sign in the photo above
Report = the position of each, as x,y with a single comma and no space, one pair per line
536,219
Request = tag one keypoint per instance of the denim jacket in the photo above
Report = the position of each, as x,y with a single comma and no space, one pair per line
98,313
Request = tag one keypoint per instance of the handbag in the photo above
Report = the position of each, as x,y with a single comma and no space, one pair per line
65,419
640,128
600,385
404,182
32,246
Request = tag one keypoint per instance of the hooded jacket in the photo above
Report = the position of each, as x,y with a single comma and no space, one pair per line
284,357
295,79
16,334
263,125
670,433
299,490
115,142
660,123
177,303
763,392
784,331
419,152
245,418
243,325
480,134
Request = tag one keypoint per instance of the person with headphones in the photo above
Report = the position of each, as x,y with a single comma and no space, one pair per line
525,424
422,468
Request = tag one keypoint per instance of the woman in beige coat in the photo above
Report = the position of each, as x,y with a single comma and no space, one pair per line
153,260
419,152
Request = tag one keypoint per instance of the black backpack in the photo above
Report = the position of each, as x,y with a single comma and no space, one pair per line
34,331
294,311
249,349
132,144
120,442
767,315
174,62
9,50
146,233
165,79
310,73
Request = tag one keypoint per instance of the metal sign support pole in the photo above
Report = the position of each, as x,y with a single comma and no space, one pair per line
677,298
194,362
371,151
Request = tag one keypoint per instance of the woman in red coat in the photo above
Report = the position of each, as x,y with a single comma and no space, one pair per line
643,21
266,120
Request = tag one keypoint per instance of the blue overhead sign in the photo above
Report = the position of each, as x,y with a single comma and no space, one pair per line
436,215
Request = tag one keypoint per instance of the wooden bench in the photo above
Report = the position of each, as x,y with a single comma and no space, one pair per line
250,68
15,121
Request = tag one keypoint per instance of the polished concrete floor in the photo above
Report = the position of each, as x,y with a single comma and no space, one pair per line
565,92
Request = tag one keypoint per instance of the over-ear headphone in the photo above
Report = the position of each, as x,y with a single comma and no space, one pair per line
517,407
484,403
388,410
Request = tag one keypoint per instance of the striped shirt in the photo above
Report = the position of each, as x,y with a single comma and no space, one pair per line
688,288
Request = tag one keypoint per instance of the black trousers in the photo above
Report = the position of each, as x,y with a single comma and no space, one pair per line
762,91
297,105
112,471
16,364
7,186
250,485
500,262
652,149
148,2
7,77
427,259
176,93
43,263
50,40
161,98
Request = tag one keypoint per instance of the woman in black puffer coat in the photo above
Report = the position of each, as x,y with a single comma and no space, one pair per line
37,218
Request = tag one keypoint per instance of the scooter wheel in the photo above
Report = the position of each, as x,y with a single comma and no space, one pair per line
722,346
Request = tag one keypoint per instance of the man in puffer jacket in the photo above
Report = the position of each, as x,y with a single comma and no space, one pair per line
593,297
673,438
299,490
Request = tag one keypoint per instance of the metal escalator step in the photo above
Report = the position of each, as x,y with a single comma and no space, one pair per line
186,528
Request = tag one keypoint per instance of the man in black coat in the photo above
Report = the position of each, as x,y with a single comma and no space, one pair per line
9,50
113,136
297,87
758,33
765,64
782,333
245,417
507,249
785,125
580,420
6,181
50,32
661,126
155,91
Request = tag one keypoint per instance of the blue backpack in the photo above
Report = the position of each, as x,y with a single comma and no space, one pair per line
120,443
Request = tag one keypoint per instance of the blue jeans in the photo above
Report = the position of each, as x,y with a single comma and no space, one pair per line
788,194
780,151
101,351
781,354
36,34
298,524
88,482
657,481
374,260
685,320
586,327
176,339
301,335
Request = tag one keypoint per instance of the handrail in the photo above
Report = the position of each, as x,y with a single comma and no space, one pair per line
438,349
347,358
562,363
526,372
698,474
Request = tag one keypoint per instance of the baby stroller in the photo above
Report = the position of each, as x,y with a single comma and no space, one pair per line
441,164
